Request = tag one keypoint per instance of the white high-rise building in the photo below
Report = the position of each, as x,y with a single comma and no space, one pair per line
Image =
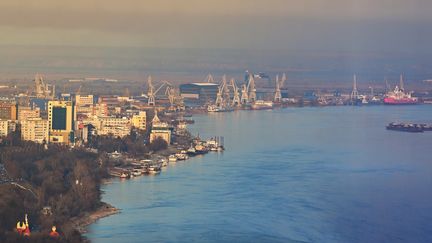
35,129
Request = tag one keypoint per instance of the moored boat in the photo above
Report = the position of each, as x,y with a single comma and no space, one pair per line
262,105
172,158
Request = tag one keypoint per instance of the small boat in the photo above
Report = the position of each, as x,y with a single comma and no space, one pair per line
137,172
124,175
181,156
213,108
163,162
262,105
154,169
172,158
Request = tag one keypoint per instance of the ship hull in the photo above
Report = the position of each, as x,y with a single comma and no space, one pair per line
403,101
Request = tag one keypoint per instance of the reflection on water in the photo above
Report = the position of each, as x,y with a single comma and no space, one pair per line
300,174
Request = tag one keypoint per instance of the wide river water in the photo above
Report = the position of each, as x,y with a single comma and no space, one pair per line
331,174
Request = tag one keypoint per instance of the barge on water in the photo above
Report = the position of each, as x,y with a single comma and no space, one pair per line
409,127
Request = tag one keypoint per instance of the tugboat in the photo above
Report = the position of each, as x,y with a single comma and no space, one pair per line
200,149
191,151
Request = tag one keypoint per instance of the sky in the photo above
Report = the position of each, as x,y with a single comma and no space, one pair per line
259,24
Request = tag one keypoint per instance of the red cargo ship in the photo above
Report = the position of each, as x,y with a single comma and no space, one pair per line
399,97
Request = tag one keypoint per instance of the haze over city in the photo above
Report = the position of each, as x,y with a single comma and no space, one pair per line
276,24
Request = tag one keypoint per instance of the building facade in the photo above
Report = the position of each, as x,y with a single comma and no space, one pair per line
4,128
139,120
25,112
84,100
160,130
8,111
115,126
61,117
202,92
35,129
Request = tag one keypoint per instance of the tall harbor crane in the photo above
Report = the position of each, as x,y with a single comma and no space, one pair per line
354,93
209,79
170,93
226,92
284,78
279,85
278,94
251,88
42,89
151,92
236,96
244,94
219,98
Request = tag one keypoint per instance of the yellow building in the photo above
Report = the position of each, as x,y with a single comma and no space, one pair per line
25,112
35,129
160,129
139,120
61,118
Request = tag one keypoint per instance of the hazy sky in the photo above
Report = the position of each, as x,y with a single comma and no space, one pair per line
285,24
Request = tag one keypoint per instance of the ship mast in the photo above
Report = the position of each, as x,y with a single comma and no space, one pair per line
401,83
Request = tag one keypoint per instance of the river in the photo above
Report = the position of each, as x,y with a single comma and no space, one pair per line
331,174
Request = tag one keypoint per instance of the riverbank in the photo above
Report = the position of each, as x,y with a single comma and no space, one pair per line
82,222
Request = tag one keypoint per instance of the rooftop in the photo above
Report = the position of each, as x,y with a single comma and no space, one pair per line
205,84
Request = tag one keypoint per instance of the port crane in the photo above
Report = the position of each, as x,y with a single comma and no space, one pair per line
244,94
252,90
219,97
209,79
279,84
236,97
226,92
173,97
42,89
278,94
354,93
152,92
223,95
